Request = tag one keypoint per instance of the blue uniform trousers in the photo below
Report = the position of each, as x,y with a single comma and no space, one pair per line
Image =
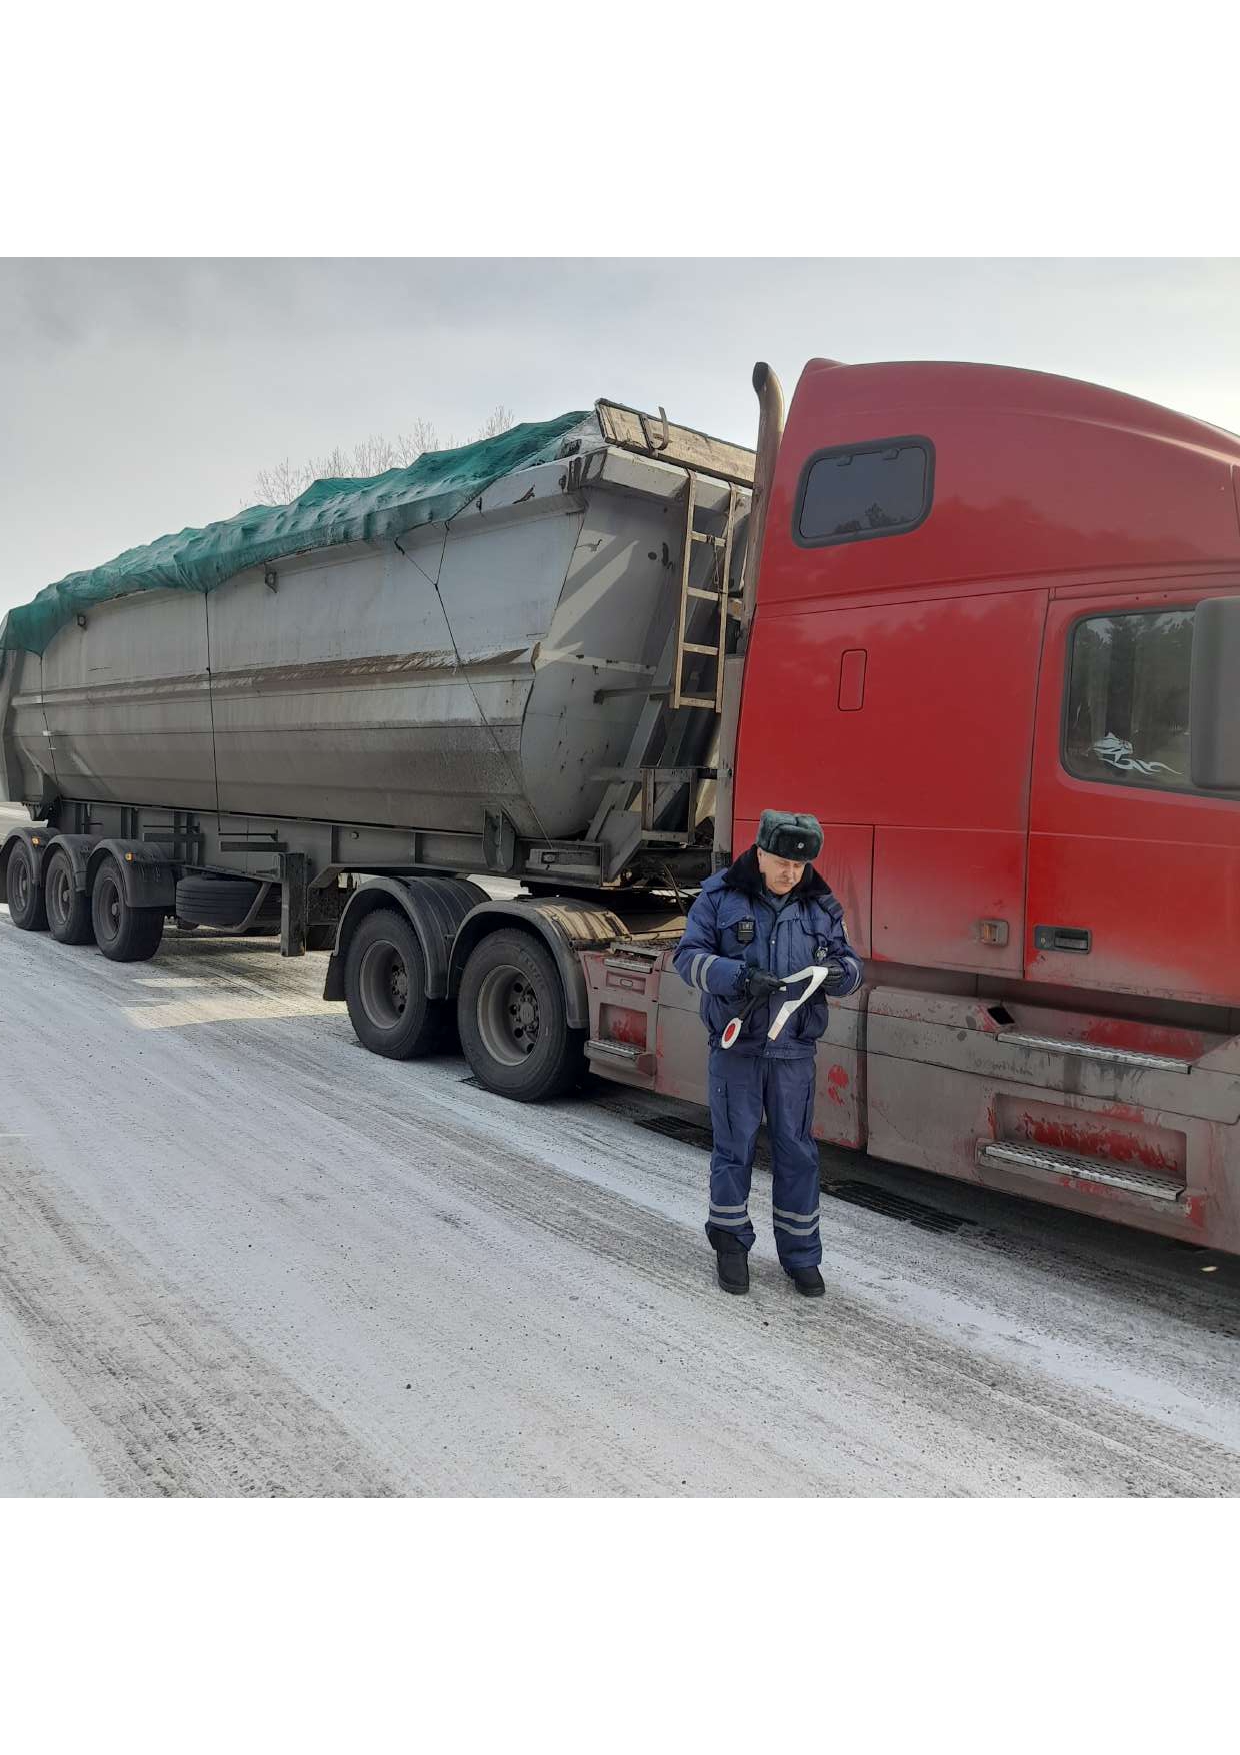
741,1086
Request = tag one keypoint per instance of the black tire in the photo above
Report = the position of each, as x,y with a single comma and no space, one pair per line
514,1021
68,908
222,901
385,989
23,891
123,934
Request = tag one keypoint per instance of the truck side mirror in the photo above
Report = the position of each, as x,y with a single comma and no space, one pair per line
1214,695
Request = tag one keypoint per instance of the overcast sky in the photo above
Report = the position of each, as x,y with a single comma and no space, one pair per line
138,397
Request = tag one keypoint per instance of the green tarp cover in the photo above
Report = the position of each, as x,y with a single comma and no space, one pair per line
377,508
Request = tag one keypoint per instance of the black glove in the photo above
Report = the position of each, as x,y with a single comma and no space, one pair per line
835,969
760,985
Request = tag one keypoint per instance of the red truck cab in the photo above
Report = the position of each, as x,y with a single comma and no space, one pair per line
978,655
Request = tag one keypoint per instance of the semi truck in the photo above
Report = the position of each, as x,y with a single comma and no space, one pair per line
983,622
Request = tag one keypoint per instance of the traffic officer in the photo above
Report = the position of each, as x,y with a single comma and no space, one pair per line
768,916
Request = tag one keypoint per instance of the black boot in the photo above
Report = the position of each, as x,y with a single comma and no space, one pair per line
732,1265
807,1280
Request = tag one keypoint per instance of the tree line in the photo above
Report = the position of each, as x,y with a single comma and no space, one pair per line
285,481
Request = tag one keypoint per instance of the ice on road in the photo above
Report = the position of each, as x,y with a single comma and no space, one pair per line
240,1255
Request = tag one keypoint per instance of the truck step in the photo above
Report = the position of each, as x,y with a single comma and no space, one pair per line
1044,1160
1094,1051
640,1061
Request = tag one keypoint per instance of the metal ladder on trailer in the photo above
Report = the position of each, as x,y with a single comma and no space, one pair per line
651,768
716,594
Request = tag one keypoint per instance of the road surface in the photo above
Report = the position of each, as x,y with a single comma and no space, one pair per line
240,1255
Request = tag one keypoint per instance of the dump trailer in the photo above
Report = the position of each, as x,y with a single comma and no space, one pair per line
983,622
507,660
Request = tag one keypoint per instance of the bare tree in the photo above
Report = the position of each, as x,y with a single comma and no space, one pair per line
420,438
285,481
277,485
498,421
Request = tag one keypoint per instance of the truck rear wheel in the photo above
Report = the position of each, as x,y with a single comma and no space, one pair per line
123,934
68,908
385,989
27,909
514,1021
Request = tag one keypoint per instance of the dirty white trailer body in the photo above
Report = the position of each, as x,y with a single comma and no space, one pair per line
492,661
530,688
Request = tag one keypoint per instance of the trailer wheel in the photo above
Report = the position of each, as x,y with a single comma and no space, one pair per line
514,1021
123,934
385,989
23,893
68,908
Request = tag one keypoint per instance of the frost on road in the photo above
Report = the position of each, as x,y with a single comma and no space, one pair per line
240,1255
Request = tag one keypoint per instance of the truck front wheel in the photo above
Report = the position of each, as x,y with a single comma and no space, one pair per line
22,892
514,1022
385,989
124,934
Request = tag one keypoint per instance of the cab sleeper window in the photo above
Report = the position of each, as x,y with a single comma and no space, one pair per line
1126,721
852,493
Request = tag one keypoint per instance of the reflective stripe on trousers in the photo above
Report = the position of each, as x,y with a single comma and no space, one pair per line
742,1086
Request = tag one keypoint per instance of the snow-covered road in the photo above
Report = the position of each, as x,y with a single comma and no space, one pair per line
240,1255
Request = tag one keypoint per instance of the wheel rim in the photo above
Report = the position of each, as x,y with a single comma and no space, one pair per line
60,894
109,908
21,886
509,1016
383,984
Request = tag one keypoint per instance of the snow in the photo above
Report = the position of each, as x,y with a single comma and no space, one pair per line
243,1256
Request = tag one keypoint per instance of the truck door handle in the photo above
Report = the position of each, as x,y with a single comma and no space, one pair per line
1062,938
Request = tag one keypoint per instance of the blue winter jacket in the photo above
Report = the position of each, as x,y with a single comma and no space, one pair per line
732,926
